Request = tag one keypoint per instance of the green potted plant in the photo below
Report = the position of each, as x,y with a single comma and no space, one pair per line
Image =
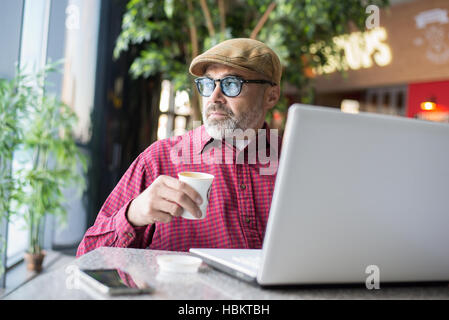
12,102
50,161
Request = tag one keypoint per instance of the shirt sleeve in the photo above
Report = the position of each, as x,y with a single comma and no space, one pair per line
111,227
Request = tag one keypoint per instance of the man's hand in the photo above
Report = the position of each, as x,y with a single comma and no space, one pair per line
164,199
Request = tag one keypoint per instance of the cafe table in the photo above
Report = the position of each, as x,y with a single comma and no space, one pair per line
206,284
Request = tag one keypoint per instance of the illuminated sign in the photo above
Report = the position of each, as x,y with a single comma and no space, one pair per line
428,105
361,50
430,16
432,37
350,106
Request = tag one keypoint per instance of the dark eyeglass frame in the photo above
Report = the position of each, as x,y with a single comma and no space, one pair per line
240,80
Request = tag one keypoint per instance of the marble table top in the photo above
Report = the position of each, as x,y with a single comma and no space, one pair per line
207,283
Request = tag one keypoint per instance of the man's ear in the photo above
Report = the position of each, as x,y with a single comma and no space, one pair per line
272,95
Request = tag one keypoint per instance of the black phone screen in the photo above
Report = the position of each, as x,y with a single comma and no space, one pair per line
112,278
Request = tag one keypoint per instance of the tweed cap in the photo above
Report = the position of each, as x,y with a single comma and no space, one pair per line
243,54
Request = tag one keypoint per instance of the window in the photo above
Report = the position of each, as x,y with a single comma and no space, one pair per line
54,30
33,54
387,100
175,111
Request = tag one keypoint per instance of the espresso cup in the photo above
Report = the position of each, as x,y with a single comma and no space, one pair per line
202,183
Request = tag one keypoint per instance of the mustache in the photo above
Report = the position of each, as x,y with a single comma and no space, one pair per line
218,107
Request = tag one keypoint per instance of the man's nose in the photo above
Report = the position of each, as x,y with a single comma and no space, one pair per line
217,95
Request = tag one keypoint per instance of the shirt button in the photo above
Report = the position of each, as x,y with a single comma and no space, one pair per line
242,187
248,220
130,234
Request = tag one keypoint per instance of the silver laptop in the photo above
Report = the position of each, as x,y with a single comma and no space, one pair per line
355,194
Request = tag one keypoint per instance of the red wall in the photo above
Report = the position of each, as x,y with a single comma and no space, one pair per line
420,92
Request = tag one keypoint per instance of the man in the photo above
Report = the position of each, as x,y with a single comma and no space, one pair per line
239,80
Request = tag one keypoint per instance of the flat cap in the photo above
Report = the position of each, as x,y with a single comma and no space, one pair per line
243,54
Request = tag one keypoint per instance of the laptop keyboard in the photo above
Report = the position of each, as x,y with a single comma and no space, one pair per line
252,262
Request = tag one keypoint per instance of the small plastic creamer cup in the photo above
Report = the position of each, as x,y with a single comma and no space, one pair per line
202,183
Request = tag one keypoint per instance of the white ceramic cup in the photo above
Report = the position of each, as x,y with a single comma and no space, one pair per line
202,183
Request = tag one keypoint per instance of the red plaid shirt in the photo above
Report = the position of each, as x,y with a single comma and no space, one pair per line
239,200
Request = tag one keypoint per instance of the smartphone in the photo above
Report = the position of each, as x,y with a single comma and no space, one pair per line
113,282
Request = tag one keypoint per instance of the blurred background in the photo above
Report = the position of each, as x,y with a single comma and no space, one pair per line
124,72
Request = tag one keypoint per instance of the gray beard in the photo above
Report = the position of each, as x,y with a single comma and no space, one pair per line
221,129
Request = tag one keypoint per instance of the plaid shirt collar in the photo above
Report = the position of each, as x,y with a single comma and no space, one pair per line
201,139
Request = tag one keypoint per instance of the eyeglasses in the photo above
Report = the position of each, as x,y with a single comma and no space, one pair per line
231,86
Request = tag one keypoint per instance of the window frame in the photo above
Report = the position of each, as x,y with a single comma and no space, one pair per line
171,114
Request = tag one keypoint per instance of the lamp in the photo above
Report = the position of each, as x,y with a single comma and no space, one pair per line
350,106
429,105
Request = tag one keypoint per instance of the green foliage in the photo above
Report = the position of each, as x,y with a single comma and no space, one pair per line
12,101
36,189
2,249
159,32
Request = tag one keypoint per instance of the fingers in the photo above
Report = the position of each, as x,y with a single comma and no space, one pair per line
169,207
184,187
164,199
175,201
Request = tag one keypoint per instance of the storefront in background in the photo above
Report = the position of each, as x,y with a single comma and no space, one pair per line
429,101
403,69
